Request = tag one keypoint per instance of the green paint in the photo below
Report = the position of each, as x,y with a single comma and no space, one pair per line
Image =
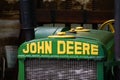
100,71
21,72
62,48
102,39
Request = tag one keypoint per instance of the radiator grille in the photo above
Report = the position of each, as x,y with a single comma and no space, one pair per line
41,69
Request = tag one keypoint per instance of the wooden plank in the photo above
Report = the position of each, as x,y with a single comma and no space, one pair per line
99,16
62,16
73,16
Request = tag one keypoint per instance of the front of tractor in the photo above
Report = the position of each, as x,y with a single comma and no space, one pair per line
77,54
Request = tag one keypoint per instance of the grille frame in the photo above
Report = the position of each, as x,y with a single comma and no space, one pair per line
100,71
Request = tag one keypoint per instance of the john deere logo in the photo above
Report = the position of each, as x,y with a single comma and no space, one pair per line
61,47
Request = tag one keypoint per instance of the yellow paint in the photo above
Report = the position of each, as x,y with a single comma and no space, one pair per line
44,47
33,48
27,49
94,49
61,47
48,47
41,47
70,47
86,48
78,48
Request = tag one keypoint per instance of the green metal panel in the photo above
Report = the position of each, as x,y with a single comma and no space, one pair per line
100,71
94,45
43,32
29,49
83,37
106,38
103,36
21,73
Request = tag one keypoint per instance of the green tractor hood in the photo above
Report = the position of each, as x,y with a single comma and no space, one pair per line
85,45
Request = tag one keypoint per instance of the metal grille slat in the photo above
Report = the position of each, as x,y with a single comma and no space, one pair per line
42,69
